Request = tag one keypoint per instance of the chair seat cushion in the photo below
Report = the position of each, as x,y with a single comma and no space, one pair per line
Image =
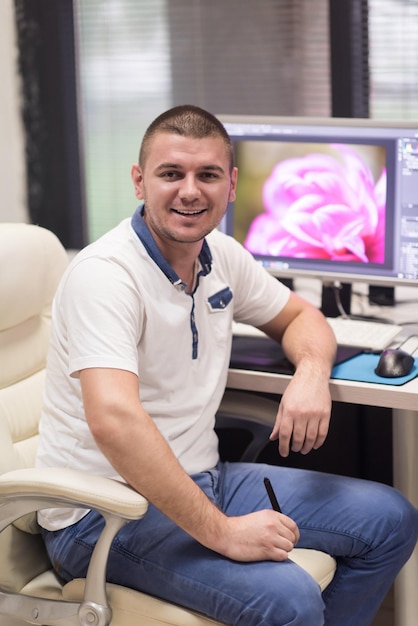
319,565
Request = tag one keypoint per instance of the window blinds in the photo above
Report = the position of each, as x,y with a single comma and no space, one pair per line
393,42
139,57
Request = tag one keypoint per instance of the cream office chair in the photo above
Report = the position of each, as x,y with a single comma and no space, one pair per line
31,263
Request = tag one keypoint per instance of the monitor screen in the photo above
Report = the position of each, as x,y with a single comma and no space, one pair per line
335,199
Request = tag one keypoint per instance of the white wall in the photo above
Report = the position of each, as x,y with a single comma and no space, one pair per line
13,204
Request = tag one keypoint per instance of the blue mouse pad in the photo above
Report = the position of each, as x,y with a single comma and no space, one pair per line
361,369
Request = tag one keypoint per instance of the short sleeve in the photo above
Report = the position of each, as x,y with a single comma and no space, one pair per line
103,316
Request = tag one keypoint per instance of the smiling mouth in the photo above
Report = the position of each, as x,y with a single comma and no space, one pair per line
188,213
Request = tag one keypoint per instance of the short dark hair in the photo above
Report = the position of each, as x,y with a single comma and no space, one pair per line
186,120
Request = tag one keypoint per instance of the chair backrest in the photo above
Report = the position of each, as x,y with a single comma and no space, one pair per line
32,261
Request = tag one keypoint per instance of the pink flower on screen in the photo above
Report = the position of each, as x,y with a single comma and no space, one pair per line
320,207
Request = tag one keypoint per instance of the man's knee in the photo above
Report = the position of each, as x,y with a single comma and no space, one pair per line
393,527
405,524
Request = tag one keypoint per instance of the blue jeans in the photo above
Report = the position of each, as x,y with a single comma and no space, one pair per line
370,528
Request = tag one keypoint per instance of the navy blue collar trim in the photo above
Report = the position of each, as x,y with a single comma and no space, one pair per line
144,234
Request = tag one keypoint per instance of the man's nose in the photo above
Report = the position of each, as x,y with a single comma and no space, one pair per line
189,189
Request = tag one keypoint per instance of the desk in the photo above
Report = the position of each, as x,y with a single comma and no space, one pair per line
404,402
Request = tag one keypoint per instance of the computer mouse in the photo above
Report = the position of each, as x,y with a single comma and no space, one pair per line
394,362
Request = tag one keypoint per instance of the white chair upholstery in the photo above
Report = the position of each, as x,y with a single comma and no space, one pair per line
32,261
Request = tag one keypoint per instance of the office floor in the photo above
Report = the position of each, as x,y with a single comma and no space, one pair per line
385,616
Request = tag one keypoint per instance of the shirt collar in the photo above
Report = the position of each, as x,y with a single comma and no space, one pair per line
145,236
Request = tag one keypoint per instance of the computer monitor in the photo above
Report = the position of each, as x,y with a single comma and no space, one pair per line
335,199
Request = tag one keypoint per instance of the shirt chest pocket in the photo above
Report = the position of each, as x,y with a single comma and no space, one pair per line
219,318
219,301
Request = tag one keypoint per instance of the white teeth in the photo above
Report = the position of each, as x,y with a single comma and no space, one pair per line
189,212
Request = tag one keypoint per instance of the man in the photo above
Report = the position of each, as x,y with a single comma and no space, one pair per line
137,367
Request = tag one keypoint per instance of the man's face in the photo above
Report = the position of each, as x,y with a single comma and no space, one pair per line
186,184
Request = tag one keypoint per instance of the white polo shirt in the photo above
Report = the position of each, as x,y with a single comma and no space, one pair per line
120,305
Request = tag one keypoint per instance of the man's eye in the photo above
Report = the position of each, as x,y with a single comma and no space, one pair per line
170,175
208,176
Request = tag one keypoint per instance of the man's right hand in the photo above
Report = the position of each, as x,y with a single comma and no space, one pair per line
260,536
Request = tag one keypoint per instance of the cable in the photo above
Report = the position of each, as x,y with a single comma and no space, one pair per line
406,341
337,287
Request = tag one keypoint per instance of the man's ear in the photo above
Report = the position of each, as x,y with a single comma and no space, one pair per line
233,188
137,179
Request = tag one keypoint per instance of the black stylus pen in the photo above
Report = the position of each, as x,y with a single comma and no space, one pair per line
274,502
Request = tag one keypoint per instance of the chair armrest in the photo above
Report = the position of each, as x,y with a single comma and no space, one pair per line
67,487
26,491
